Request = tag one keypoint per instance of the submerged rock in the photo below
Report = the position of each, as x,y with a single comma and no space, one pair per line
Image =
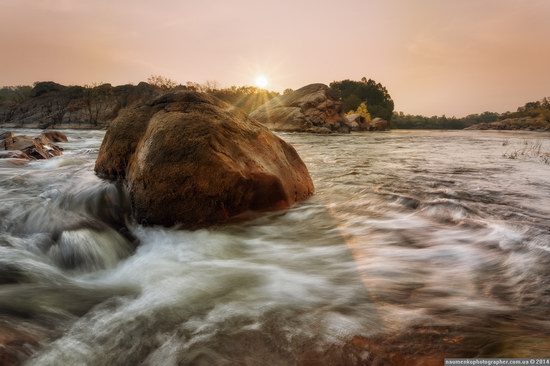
54,136
357,122
18,340
312,108
190,159
360,123
14,155
88,250
30,148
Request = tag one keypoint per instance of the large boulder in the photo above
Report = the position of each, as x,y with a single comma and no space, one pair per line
312,108
188,158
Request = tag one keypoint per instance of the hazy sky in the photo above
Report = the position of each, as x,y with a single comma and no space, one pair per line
435,57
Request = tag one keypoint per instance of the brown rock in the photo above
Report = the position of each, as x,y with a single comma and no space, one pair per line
303,110
6,135
39,150
13,154
191,159
357,122
27,147
13,142
18,340
360,123
54,136
378,124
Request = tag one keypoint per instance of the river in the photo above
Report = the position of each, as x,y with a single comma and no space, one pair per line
416,245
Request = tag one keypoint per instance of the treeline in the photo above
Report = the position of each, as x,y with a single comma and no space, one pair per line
539,109
352,93
366,92
409,121
15,94
372,94
248,98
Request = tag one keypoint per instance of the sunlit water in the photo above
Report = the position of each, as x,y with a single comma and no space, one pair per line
416,245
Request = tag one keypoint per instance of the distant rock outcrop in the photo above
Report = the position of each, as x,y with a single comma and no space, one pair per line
378,124
522,123
52,105
30,148
359,123
312,108
188,158
356,122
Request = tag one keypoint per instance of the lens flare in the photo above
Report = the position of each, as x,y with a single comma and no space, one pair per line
261,81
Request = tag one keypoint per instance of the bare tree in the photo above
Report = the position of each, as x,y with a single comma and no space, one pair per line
96,99
162,82
210,86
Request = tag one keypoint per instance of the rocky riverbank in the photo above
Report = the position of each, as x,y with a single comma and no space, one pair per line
313,108
52,105
523,123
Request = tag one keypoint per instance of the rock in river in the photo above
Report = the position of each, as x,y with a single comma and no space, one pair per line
54,136
31,148
188,158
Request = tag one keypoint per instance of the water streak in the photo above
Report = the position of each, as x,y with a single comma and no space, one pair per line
416,245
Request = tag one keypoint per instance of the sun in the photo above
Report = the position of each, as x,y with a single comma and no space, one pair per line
261,81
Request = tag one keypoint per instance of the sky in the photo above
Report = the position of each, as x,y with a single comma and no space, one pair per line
452,57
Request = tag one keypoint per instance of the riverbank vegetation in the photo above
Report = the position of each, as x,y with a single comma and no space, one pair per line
14,94
248,98
538,110
353,94
372,94
527,150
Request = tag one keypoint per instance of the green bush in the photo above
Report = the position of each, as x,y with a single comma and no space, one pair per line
374,94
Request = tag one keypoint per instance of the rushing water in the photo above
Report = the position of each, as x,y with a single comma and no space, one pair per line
416,245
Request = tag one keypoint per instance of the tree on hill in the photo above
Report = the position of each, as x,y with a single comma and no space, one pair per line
374,94
15,94
539,108
162,82
96,98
